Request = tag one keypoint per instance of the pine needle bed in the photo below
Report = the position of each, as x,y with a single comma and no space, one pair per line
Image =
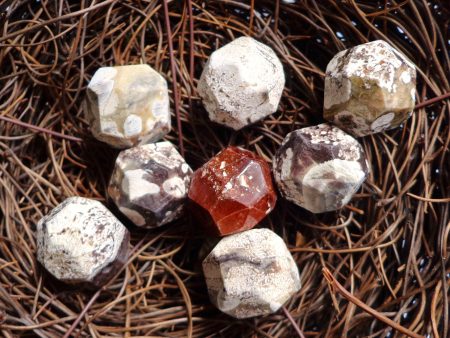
389,249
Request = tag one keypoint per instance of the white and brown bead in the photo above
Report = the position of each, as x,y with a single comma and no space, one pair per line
369,88
80,241
127,105
319,168
150,183
251,273
241,83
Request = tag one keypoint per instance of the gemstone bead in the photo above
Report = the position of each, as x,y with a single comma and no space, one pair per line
149,184
80,241
241,83
369,88
319,168
232,192
127,105
250,274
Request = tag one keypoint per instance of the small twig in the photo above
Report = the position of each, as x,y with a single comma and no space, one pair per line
176,96
191,41
336,286
252,15
354,209
40,129
82,313
433,100
431,200
294,324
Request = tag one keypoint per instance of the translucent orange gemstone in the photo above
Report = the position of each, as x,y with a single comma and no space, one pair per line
232,192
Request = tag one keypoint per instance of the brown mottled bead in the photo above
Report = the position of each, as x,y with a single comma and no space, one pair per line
149,184
320,168
232,192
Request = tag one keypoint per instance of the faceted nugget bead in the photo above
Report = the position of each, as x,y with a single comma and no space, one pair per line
80,241
149,184
127,105
319,168
251,273
369,88
232,192
241,83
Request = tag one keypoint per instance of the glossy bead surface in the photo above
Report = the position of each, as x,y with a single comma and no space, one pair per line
80,241
319,168
250,274
369,88
232,192
149,184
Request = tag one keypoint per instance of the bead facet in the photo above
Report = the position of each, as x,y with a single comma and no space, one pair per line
319,168
251,273
232,192
80,241
241,83
149,184
127,105
369,88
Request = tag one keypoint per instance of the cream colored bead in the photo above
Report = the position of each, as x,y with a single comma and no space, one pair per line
251,273
80,241
369,88
241,83
127,105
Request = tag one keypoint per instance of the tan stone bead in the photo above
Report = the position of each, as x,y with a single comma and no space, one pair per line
241,83
80,241
251,273
127,105
369,88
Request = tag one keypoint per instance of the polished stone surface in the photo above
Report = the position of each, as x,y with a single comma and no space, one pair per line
232,192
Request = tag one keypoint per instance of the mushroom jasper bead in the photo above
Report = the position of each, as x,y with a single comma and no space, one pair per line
241,83
319,168
149,184
251,273
369,88
127,105
232,192
80,241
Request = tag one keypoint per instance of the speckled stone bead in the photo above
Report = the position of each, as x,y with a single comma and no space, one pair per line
80,241
319,168
250,274
241,83
149,184
232,192
127,105
369,88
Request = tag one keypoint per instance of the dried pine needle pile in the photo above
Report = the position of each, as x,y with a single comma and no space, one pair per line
389,248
